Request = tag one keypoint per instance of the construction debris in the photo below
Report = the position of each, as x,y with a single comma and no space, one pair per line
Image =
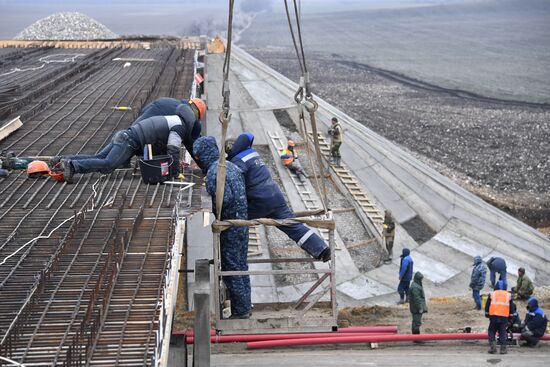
66,26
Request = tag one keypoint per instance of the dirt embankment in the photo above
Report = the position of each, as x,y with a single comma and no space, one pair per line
494,149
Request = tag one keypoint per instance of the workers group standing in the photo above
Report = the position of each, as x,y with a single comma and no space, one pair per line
417,302
497,265
265,199
477,280
389,234
233,241
289,159
498,308
535,323
336,135
165,133
405,275
524,288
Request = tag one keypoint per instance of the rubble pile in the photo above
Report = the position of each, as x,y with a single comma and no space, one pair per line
66,26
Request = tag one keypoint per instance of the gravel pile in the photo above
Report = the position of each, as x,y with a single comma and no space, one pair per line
66,26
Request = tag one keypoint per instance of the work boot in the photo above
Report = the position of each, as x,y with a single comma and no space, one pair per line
492,348
55,160
503,349
243,316
68,170
324,255
478,307
401,301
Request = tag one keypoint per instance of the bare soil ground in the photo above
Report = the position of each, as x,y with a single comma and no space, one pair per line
445,314
498,151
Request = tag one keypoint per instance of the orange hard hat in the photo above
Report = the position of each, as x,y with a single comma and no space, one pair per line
38,169
291,143
201,106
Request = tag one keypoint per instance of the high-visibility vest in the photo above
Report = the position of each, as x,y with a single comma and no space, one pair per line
287,156
500,303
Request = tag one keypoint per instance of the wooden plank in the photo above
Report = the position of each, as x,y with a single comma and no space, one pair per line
10,128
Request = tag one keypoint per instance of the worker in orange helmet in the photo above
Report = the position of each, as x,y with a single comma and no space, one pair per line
289,159
498,308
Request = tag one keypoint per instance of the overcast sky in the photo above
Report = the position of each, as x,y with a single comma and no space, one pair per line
161,17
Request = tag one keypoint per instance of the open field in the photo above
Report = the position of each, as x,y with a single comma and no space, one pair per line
497,149
497,49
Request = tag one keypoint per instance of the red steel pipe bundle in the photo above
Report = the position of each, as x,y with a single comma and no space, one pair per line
244,338
371,339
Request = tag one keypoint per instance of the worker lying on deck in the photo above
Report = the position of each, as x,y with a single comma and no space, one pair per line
498,308
166,106
233,241
535,323
289,159
265,199
164,133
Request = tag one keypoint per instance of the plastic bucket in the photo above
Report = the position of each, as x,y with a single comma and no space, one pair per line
156,170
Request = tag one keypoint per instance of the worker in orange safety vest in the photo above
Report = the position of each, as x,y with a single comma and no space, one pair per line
498,308
289,159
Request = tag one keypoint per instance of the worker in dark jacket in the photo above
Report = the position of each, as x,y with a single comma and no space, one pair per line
477,280
498,309
405,275
265,199
166,106
233,241
165,133
389,234
497,265
524,288
535,323
417,302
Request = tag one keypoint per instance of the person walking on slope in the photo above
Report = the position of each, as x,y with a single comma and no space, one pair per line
389,234
289,159
265,199
336,134
477,280
497,265
417,302
498,308
535,323
524,288
233,241
405,275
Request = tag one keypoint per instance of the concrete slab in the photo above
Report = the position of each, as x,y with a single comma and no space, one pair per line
363,287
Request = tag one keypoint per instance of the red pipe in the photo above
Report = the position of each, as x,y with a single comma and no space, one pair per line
351,329
370,339
243,338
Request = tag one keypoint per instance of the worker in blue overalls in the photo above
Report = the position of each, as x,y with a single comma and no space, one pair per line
265,199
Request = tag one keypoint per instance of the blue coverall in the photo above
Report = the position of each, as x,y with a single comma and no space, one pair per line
497,265
233,241
265,199
405,273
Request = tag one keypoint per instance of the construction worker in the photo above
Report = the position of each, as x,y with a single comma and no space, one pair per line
535,323
405,275
497,265
164,133
498,309
289,159
335,133
233,241
417,302
524,288
389,234
477,280
265,199
166,106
